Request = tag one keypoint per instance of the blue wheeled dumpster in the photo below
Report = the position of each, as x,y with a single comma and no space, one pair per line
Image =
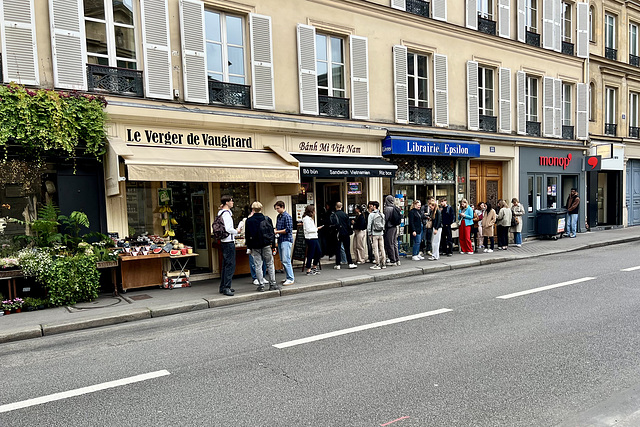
551,222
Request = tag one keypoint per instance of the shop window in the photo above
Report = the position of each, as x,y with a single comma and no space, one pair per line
190,203
304,197
356,194
140,207
552,192
243,194
110,33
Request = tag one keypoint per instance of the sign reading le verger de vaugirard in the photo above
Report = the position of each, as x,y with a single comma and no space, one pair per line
205,139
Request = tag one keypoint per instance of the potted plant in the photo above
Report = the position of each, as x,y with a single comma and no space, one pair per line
7,306
17,305
30,304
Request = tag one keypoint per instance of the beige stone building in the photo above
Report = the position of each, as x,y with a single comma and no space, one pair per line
316,101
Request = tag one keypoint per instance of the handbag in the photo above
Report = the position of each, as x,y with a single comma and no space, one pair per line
514,220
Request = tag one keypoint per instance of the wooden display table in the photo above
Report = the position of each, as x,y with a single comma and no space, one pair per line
11,276
142,270
242,260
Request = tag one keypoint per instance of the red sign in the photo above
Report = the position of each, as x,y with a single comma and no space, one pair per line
556,161
593,163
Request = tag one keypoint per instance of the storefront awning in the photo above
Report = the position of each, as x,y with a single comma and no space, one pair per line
196,164
429,147
325,166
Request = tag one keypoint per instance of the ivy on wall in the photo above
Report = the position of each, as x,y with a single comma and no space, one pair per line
44,121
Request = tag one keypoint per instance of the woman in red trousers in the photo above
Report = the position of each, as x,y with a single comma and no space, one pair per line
465,215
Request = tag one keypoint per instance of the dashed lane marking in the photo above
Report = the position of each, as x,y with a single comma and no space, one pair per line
631,268
546,288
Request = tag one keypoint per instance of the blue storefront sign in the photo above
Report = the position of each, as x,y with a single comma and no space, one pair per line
429,147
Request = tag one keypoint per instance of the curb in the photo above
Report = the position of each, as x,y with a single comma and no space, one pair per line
329,284
167,310
138,314
21,334
254,296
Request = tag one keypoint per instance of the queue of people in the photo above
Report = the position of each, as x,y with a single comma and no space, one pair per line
374,231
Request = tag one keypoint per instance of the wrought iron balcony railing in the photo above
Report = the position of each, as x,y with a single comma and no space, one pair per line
418,7
567,132
634,132
611,53
231,94
333,106
421,116
567,48
610,129
488,123
120,81
634,60
533,128
486,26
532,39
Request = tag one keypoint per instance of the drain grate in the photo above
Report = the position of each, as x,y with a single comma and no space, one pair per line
140,297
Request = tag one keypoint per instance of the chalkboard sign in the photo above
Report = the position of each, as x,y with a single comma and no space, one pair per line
300,244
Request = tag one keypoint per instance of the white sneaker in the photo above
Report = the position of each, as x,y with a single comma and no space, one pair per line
432,259
287,282
489,250
415,258
375,267
518,246
420,256
336,267
486,250
353,266
255,282
398,263
265,281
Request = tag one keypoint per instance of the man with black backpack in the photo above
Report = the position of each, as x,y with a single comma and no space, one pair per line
261,240
341,221
224,231
393,218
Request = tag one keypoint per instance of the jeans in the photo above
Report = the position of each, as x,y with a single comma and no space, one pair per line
572,224
285,257
346,243
427,236
486,242
313,252
517,238
252,268
264,255
503,236
416,244
228,264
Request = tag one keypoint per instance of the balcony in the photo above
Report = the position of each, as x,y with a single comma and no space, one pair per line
611,53
567,132
610,129
333,106
486,26
634,132
532,39
119,81
567,48
488,123
634,60
418,7
533,128
421,116
230,94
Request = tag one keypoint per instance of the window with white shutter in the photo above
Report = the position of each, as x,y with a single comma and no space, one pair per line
439,10
557,108
548,24
68,47
359,77
504,18
505,100
522,21
582,30
399,4
557,25
307,76
567,130
156,49
473,115
472,13
418,89
582,122
441,86
18,34
548,106
400,78
521,82
331,76
194,60
262,62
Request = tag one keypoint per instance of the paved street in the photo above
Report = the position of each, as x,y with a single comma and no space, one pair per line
460,347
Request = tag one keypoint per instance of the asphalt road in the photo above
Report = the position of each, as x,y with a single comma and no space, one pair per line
565,355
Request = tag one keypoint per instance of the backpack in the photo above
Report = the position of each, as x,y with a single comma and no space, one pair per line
378,222
396,217
267,233
219,230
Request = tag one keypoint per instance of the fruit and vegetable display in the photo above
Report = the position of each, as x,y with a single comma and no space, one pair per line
149,245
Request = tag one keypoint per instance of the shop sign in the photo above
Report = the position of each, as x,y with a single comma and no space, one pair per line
203,139
354,188
556,161
429,147
345,172
593,163
328,147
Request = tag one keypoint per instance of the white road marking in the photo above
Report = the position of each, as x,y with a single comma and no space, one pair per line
80,391
360,328
631,268
545,288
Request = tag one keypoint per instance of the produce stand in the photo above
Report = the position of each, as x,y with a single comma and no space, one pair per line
178,277
142,270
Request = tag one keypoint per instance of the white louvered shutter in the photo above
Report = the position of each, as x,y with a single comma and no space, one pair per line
441,86
473,114
557,25
582,118
307,78
194,60
504,19
547,102
582,30
522,21
472,14
263,90
557,108
400,84
156,49
18,34
439,10
68,48
505,100
548,25
521,77
359,77
399,4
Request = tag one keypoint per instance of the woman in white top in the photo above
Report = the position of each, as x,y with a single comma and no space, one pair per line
311,236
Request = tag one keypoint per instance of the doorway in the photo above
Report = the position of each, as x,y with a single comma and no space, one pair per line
485,182
633,192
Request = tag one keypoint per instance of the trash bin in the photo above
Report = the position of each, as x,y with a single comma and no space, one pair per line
551,222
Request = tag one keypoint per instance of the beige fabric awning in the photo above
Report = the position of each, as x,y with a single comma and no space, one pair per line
195,164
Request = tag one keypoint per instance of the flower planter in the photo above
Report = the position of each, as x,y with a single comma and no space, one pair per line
17,310
106,264
7,312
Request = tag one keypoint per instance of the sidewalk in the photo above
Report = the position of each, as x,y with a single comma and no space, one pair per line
155,302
